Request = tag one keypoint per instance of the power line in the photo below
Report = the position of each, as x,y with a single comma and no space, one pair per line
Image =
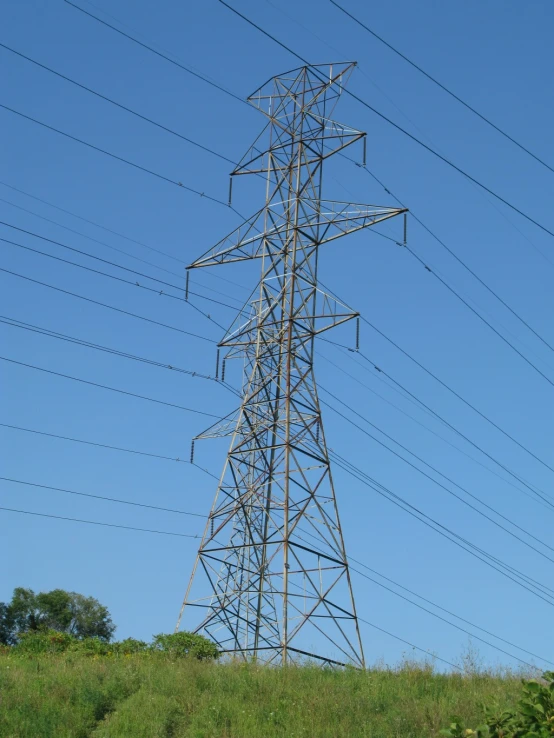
405,390
430,612
407,643
14,323
453,392
113,248
111,263
111,389
163,56
185,535
160,293
183,512
99,445
443,87
458,259
449,612
439,617
540,590
119,105
96,522
418,422
110,230
543,495
397,126
118,158
101,497
478,314
427,476
211,151
109,307
351,559
92,222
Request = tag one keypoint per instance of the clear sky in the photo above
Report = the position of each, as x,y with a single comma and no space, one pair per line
496,55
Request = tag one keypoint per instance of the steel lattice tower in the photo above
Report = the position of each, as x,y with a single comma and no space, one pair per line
271,577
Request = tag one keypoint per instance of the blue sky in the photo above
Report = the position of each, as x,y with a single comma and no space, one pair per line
495,55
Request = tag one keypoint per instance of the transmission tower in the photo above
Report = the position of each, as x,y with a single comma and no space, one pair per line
271,579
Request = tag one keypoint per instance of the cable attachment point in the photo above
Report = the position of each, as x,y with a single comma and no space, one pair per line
187,286
217,365
230,189
223,370
192,451
405,228
212,527
358,333
364,150
317,431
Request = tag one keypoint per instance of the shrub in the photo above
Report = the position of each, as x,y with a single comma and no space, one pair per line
129,646
43,641
185,644
534,716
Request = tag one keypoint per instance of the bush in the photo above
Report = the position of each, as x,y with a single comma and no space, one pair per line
129,646
534,716
44,641
174,644
185,644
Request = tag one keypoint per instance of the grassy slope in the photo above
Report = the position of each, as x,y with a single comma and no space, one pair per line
151,697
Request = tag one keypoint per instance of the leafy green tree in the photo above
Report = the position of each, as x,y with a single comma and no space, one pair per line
65,612
6,625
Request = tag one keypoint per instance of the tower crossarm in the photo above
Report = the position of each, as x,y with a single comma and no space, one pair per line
319,222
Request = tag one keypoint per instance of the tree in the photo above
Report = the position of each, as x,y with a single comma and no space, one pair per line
66,612
6,625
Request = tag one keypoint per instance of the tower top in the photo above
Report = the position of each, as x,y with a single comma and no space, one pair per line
303,88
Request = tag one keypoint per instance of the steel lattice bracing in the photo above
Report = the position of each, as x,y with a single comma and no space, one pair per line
271,578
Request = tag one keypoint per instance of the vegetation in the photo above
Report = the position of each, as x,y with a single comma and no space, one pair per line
66,612
533,717
61,676
147,692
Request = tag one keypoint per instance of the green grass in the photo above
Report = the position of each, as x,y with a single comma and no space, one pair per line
146,696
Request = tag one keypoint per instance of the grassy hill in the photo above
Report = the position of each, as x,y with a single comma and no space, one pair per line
152,695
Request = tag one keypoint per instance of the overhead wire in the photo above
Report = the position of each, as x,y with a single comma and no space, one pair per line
418,422
115,233
96,522
118,266
430,612
54,334
443,87
103,386
158,53
536,588
442,486
350,558
478,314
93,443
117,104
458,259
109,307
398,127
114,248
160,293
456,394
102,497
118,158
15,323
76,6
534,491
531,488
